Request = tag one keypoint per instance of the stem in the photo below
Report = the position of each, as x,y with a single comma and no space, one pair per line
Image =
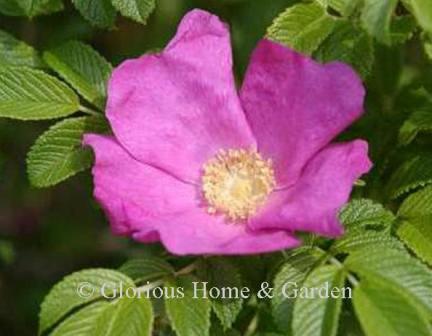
350,277
186,270
90,111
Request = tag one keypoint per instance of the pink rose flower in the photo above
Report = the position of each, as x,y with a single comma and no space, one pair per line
207,170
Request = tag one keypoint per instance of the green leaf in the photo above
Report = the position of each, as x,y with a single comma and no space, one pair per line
14,52
58,153
83,322
417,234
417,204
413,173
83,68
376,18
296,267
319,315
354,241
220,273
397,270
350,44
77,289
383,311
124,316
29,94
422,10
364,214
416,227
419,121
146,268
100,13
33,8
188,316
302,27
138,10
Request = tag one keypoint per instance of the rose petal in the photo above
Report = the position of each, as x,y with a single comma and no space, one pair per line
174,110
196,232
296,106
313,203
135,196
149,205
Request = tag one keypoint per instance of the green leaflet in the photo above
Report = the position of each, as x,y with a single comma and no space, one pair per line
397,270
294,270
383,311
29,94
364,214
417,234
354,241
367,225
123,316
416,227
58,153
417,204
83,68
319,316
376,18
64,296
219,273
419,121
413,173
82,322
302,27
348,44
138,10
17,53
100,13
188,316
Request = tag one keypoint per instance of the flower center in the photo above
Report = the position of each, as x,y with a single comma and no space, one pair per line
237,182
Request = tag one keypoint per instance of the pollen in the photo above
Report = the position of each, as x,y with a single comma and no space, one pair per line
237,182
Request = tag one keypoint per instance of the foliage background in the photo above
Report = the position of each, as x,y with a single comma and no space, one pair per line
46,234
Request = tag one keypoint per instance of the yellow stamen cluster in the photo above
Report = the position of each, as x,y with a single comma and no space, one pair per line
237,182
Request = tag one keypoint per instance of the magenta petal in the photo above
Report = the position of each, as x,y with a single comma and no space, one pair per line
174,110
296,106
135,196
313,203
196,232
150,205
